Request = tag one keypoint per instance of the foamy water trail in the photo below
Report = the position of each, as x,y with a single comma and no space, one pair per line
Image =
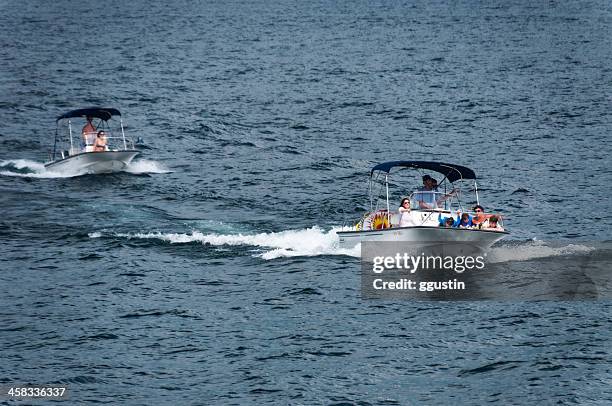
146,166
316,241
31,169
291,243
525,251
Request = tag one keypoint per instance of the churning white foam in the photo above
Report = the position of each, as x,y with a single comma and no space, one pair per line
30,169
291,243
146,166
525,251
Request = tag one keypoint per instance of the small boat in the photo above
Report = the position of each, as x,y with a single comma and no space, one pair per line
81,154
430,207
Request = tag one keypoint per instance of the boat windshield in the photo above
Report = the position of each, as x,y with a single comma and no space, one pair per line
432,200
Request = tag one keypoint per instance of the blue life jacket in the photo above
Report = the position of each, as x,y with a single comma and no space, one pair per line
458,222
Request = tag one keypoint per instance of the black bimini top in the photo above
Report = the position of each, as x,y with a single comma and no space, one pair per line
97,112
451,171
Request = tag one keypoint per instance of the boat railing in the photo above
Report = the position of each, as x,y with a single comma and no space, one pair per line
382,219
66,151
113,142
359,225
117,142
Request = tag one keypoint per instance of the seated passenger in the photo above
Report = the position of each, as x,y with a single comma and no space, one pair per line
446,221
100,144
465,221
479,216
406,219
492,225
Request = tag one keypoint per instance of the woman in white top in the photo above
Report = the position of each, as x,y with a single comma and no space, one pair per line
406,219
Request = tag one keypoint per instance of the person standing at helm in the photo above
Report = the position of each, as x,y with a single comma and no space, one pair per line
89,135
426,195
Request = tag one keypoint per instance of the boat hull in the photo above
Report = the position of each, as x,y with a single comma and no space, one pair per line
481,239
93,162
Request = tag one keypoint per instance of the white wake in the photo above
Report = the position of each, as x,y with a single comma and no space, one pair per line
291,243
525,251
25,168
140,166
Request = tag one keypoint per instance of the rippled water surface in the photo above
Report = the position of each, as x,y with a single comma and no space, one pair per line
209,272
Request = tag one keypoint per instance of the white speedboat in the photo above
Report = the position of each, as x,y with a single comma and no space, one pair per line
84,153
431,207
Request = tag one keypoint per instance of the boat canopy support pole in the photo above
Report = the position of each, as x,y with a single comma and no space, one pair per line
387,189
70,132
55,143
371,197
123,134
476,190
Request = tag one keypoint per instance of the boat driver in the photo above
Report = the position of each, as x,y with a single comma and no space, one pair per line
426,197
89,135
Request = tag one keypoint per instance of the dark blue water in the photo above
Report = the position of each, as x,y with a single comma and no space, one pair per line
210,273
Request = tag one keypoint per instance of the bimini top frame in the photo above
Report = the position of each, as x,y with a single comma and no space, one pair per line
451,172
102,113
